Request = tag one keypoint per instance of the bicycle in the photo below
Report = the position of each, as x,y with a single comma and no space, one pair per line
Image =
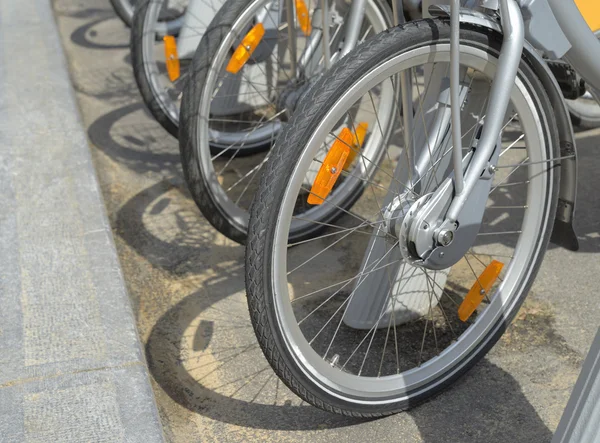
164,38
172,29
246,77
421,276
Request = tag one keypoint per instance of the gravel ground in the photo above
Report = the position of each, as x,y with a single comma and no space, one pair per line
187,286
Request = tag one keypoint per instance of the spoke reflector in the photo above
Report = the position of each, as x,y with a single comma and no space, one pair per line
171,57
479,289
357,141
331,168
303,17
245,49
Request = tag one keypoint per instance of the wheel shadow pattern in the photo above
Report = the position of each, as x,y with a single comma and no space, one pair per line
203,353
129,136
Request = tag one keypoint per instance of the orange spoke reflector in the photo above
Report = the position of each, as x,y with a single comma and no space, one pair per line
246,48
171,57
331,168
303,17
357,141
481,287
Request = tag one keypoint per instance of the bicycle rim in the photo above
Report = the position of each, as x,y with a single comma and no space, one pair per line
314,282
165,18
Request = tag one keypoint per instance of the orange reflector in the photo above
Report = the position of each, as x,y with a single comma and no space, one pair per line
357,141
246,48
331,168
479,289
303,17
171,57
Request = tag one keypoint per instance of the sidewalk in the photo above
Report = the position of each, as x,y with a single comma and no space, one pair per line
71,364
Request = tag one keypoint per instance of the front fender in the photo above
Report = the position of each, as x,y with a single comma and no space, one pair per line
563,233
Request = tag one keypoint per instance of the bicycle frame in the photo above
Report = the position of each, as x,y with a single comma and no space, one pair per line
554,27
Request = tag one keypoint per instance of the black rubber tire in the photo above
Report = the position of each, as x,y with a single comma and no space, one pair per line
209,45
124,10
286,153
138,31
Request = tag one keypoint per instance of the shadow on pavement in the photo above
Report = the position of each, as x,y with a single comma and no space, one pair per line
206,359
91,34
135,140
161,224
486,405
203,353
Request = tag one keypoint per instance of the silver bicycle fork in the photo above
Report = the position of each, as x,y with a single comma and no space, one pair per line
460,199
506,74
481,166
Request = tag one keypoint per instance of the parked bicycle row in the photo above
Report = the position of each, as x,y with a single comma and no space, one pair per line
410,171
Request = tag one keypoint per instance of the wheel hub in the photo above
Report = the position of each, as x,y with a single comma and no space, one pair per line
417,237
290,96
395,213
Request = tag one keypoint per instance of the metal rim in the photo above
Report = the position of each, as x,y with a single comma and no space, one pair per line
205,135
391,388
153,27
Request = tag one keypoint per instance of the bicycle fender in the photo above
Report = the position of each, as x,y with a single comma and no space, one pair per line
563,233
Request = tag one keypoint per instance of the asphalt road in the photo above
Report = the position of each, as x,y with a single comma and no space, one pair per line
187,286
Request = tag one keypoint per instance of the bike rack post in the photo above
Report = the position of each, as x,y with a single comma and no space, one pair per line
580,422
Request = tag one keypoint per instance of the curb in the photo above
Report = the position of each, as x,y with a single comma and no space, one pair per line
71,362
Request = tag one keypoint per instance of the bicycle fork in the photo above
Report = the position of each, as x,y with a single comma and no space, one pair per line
459,201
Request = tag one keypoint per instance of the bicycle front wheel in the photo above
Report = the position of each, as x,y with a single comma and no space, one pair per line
345,319
231,117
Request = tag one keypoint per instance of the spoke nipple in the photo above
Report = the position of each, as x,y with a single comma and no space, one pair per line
334,360
482,292
248,48
333,169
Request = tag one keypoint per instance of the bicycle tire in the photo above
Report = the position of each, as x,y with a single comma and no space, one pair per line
266,211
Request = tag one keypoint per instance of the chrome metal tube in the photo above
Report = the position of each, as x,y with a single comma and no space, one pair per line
396,13
408,122
353,25
455,103
326,40
291,31
506,73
